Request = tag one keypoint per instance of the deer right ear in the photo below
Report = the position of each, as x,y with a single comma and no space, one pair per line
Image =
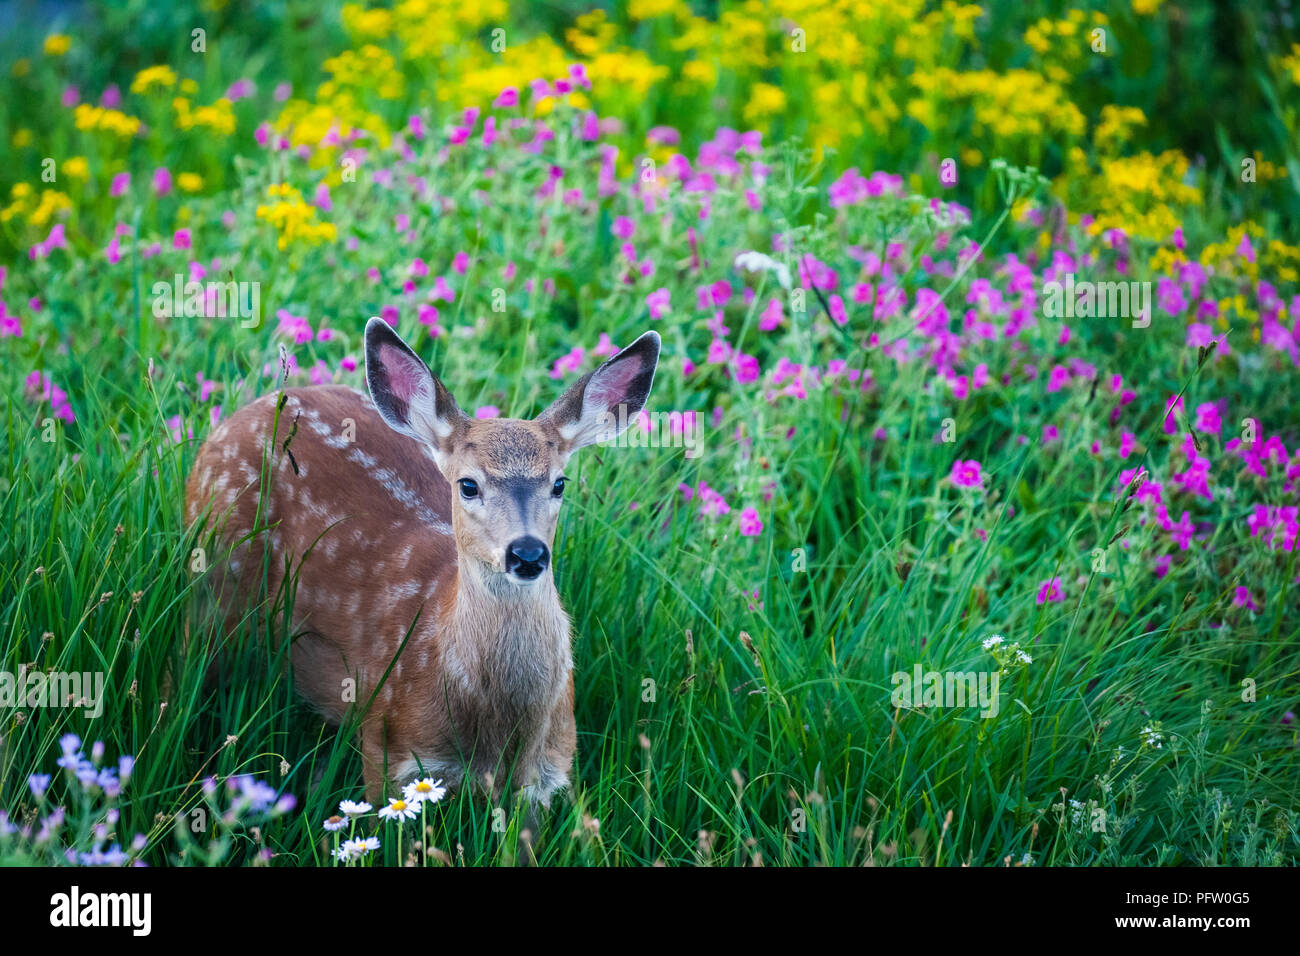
407,395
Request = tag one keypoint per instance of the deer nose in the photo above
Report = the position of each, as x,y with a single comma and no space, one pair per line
527,558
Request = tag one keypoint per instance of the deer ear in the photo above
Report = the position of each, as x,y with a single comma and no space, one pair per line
407,395
602,403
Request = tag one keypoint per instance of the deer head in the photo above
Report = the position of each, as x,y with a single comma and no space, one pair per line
507,475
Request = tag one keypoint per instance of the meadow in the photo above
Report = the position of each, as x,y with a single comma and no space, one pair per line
988,336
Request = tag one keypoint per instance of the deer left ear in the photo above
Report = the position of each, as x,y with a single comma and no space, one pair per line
406,394
602,403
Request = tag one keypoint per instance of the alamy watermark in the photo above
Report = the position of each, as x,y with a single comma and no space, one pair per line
197,299
1102,300
651,430
53,689
922,688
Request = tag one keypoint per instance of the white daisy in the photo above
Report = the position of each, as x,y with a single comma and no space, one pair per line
758,262
397,810
992,642
420,791
355,809
335,823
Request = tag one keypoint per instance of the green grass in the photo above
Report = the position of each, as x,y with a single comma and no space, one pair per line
694,746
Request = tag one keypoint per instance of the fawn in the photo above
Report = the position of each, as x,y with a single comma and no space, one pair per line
400,505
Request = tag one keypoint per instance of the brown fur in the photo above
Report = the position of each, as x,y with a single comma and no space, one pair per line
505,700
380,541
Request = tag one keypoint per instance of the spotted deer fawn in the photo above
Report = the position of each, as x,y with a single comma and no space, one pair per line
399,510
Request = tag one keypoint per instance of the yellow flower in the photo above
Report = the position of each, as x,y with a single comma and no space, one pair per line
765,100
87,117
649,9
219,117
294,219
57,44
366,24
161,77
1145,8
702,74
189,182
52,202
21,138
77,167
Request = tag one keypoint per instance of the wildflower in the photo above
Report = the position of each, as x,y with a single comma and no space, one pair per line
335,823
658,303
1050,591
966,474
750,523
397,810
1241,597
1151,736
425,790
38,783
354,810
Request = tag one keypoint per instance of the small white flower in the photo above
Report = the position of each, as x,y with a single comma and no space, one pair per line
992,642
425,790
1151,737
397,810
355,849
355,809
1023,658
335,823
758,262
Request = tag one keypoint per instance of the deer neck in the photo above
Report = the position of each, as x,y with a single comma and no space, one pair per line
510,642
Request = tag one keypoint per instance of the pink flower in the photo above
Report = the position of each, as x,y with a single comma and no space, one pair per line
507,98
121,183
623,227
569,363
750,524
181,239
441,291
1241,597
747,369
460,263
658,303
162,181
1050,590
838,315
771,316
487,411
967,474
321,198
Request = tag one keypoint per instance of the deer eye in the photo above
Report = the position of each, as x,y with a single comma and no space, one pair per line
468,488
557,489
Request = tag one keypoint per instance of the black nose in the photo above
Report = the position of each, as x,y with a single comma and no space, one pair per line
527,557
